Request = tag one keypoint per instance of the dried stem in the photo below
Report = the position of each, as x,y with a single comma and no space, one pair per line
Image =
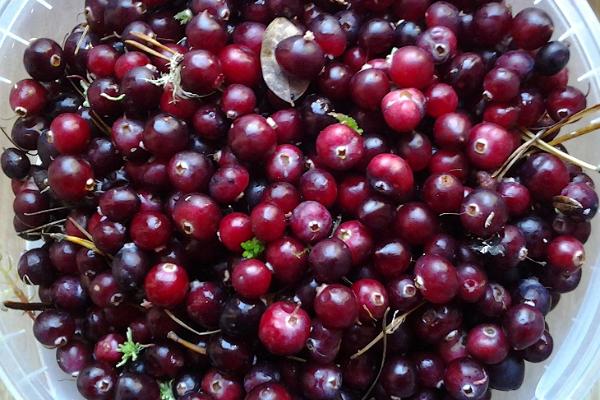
81,39
383,354
50,210
81,229
153,41
38,228
8,276
189,328
26,306
389,329
88,244
575,134
147,49
573,118
188,345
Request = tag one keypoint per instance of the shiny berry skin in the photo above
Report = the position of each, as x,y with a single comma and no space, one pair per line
483,213
165,135
219,386
368,87
585,199
269,391
131,386
465,379
140,93
552,58
443,193
71,178
286,164
189,171
488,146
487,343
201,72
563,103
329,34
412,67
228,184
334,81
43,60
53,328
228,354
321,382
439,42
240,65
358,238
524,325
97,381
251,278
204,303
197,215
27,98
129,61
451,131
300,56
311,222
106,349
566,253
330,260
234,229
70,133
104,292
336,306
150,230
436,279
323,345
319,185
249,34
339,147
399,377
166,285
390,175
403,110
237,100
288,258
205,32
73,357
545,175
492,22
441,99
284,328
391,258
416,149
372,299
472,282
251,137
532,28
15,163
415,223
376,36
516,196
501,84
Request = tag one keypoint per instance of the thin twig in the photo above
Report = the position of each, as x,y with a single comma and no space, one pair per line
147,49
575,134
37,228
188,345
153,41
26,306
383,355
189,328
561,154
49,210
81,39
81,229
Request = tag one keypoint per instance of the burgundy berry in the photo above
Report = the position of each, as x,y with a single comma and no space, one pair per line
376,36
286,164
241,64
205,32
219,386
204,303
330,260
131,386
284,328
483,213
166,285
415,223
439,42
140,93
436,279
358,238
566,253
329,34
189,171
545,175
411,67
44,60
443,193
249,34
466,379
251,278
441,99
565,102
165,135
487,343
150,230
73,357
53,328
237,100
97,381
390,175
336,306
251,137
288,125
488,146
581,201
532,28
228,184
269,391
320,186
197,215
524,325
339,147
107,349
283,195
334,81
472,282
416,149
311,222
129,61
71,178
403,109
28,97
268,222
288,258
492,22
201,72
372,299
323,345
368,87
321,382
451,131
516,196
300,56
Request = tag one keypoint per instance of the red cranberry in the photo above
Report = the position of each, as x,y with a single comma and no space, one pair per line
201,72
483,213
288,259
390,175
566,253
228,184
399,377
284,328
339,147
71,178
368,87
411,67
372,299
330,260
166,285
251,137
320,186
415,223
403,110
251,278
286,164
311,222
320,382
416,149
544,175
465,379
27,98
436,278
336,306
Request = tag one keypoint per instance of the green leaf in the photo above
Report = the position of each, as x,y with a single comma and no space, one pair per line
184,16
166,393
253,248
130,350
348,121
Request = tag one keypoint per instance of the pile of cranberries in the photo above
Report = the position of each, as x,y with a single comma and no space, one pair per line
370,236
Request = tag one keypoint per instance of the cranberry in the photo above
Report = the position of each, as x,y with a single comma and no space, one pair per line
399,377
286,164
269,391
565,102
71,178
524,326
27,98
403,109
150,230
376,36
140,93
288,259
228,184
311,222
372,299
440,42
390,175
284,328
415,223
320,186
466,379
197,215
97,381
73,357
251,137
330,260
240,64
544,175
443,193
339,147
566,253
581,199
368,87
436,279
53,328
300,56
411,67
483,213
166,285
336,306
201,72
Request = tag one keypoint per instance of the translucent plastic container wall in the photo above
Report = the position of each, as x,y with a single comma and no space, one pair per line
30,371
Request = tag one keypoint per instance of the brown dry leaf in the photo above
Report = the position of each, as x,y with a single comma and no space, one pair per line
284,86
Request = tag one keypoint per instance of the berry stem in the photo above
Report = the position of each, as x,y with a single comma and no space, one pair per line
25,306
188,345
575,134
189,328
147,49
153,41
383,354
